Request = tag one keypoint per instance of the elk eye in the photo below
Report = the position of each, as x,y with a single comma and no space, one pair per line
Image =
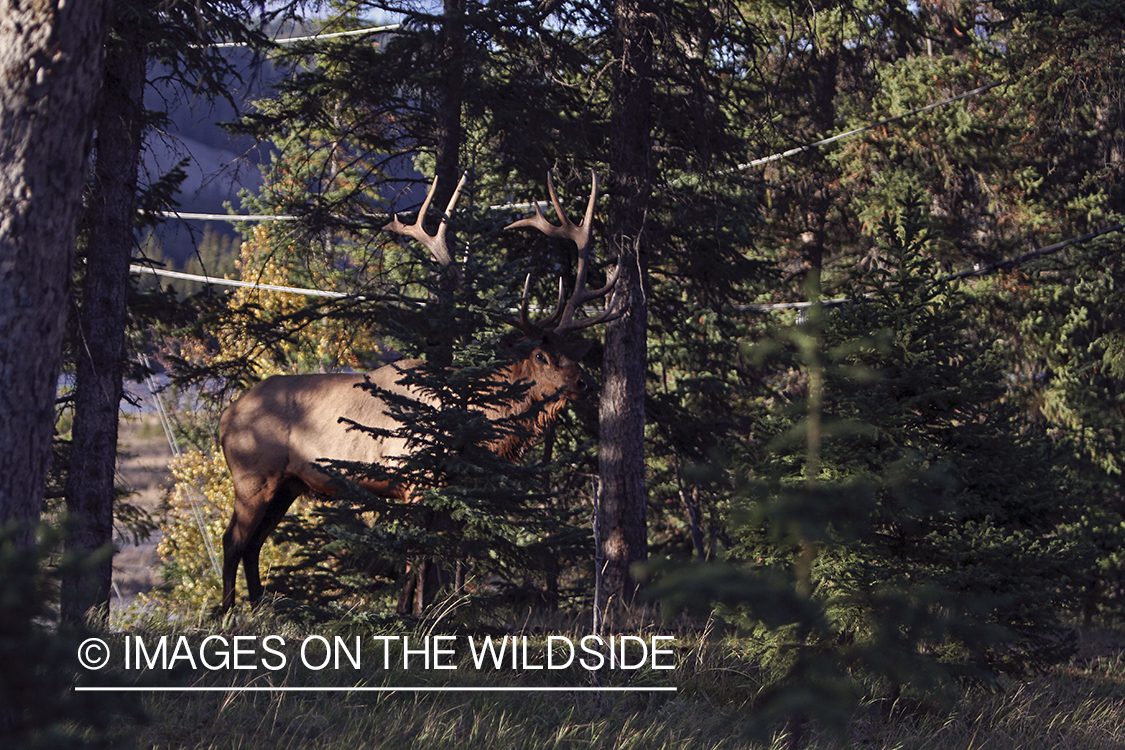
540,358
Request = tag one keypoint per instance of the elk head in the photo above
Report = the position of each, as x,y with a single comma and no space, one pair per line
547,360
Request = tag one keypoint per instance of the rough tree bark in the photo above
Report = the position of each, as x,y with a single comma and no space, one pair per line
100,348
51,56
622,528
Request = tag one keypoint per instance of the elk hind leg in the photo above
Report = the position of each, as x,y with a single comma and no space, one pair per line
234,542
279,504
253,499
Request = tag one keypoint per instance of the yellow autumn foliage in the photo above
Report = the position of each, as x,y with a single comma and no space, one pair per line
197,510
322,344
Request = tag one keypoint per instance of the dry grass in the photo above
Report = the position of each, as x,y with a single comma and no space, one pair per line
1079,706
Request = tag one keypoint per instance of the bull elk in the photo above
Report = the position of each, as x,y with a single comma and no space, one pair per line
275,433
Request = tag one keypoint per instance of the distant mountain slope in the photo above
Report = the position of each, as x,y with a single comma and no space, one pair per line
218,164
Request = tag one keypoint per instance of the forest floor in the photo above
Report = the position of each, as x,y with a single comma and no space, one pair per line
1079,705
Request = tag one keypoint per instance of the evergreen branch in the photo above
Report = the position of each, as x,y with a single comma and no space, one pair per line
978,270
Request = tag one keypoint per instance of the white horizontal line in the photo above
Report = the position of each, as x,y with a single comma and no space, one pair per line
234,282
188,215
235,218
521,206
363,689
313,37
865,128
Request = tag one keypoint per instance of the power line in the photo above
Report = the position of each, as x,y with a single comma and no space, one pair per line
191,492
979,270
189,216
522,206
311,37
1039,253
235,218
864,129
232,282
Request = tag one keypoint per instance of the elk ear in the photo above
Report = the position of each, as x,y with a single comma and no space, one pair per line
575,350
511,340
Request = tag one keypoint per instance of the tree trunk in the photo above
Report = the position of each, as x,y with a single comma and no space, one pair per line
622,529
100,349
448,135
448,131
51,58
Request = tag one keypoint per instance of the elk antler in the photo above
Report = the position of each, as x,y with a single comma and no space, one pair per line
435,242
582,236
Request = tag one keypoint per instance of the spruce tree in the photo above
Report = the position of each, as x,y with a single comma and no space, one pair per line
902,529
532,98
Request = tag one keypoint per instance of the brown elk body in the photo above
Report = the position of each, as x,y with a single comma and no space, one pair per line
274,435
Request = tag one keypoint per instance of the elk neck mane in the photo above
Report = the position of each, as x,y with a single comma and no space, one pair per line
513,445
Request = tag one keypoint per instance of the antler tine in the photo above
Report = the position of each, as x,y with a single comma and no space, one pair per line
435,242
581,235
523,323
566,230
581,295
608,314
588,219
415,230
550,319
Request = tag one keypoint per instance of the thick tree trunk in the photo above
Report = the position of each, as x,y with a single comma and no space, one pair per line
622,529
100,349
51,59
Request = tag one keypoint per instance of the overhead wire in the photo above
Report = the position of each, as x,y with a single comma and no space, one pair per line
234,218
863,129
975,271
310,37
190,492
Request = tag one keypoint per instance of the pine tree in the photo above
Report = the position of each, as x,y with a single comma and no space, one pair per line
353,106
100,362
139,28
469,511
